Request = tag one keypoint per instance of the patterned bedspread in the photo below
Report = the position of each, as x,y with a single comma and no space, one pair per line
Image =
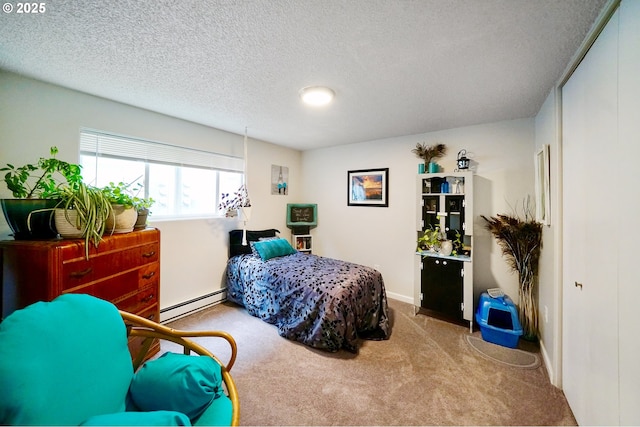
322,302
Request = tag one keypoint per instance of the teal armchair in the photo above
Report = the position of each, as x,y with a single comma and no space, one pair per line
67,362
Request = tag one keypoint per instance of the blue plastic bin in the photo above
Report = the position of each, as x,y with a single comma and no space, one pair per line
498,320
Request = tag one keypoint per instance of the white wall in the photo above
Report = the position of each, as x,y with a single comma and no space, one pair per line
502,155
36,115
550,269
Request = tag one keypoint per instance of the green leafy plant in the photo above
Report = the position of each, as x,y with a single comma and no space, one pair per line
430,239
119,194
43,179
457,243
127,195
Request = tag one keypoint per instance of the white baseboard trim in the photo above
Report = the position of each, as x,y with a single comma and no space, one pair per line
177,311
399,297
547,362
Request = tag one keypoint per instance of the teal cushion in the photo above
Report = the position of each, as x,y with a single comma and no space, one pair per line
62,362
177,382
219,413
268,249
153,418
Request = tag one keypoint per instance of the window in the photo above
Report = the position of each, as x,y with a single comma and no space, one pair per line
184,182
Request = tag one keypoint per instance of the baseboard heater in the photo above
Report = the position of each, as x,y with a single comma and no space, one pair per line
185,308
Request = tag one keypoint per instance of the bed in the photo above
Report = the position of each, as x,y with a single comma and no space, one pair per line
322,302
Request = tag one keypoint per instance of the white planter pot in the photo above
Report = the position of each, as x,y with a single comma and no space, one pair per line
67,227
121,220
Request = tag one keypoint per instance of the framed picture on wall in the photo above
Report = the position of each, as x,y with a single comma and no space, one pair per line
543,198
368,187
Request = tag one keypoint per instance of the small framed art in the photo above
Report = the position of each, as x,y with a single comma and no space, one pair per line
368,187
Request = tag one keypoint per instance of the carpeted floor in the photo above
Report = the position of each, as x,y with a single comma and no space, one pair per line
427,373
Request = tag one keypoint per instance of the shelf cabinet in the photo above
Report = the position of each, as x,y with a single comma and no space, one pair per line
124,269
302,242
444,283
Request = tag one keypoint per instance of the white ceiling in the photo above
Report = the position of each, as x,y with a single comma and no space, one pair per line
398,67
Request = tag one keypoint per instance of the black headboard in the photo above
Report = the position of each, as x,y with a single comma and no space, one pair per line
235,240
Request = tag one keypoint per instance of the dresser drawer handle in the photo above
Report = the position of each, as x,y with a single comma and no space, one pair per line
78,274
151,317
149,275
148,298
149,254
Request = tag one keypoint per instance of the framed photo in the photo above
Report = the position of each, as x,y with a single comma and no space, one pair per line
543,198
368,187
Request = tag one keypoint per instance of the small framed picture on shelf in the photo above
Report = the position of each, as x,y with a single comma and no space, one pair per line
368,187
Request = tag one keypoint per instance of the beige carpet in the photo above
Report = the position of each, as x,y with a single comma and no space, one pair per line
512,357
425,374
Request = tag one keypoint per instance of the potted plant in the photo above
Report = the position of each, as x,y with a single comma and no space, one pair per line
142,206
35,188
520,238
428,153
124,213
430,240
82,212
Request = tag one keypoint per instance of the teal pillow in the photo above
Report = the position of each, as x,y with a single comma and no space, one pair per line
62,362
268,249
153,418
177,382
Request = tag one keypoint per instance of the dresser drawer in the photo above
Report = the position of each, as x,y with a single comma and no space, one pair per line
140,302
78,271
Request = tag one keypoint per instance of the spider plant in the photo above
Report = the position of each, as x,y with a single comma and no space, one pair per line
91,207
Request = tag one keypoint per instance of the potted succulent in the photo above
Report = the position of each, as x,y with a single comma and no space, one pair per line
124,213
82,212
142,206
35,189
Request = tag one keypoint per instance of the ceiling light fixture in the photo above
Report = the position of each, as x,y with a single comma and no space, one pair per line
316,95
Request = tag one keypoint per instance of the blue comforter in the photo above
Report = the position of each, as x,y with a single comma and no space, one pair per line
321,302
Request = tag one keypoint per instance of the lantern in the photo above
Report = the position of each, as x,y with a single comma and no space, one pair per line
463,161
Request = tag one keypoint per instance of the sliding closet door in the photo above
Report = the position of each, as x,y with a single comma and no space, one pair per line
591,230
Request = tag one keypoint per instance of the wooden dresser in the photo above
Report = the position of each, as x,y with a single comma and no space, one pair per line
124,269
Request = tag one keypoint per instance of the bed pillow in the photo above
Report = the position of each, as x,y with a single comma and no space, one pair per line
177,382
235,240
261,239
268,249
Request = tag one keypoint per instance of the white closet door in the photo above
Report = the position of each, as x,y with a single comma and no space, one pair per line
629,202
591,227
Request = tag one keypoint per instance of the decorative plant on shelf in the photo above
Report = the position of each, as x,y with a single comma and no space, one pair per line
429,152
430,239
520,238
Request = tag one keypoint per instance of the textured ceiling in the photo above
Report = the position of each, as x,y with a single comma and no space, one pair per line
398,67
